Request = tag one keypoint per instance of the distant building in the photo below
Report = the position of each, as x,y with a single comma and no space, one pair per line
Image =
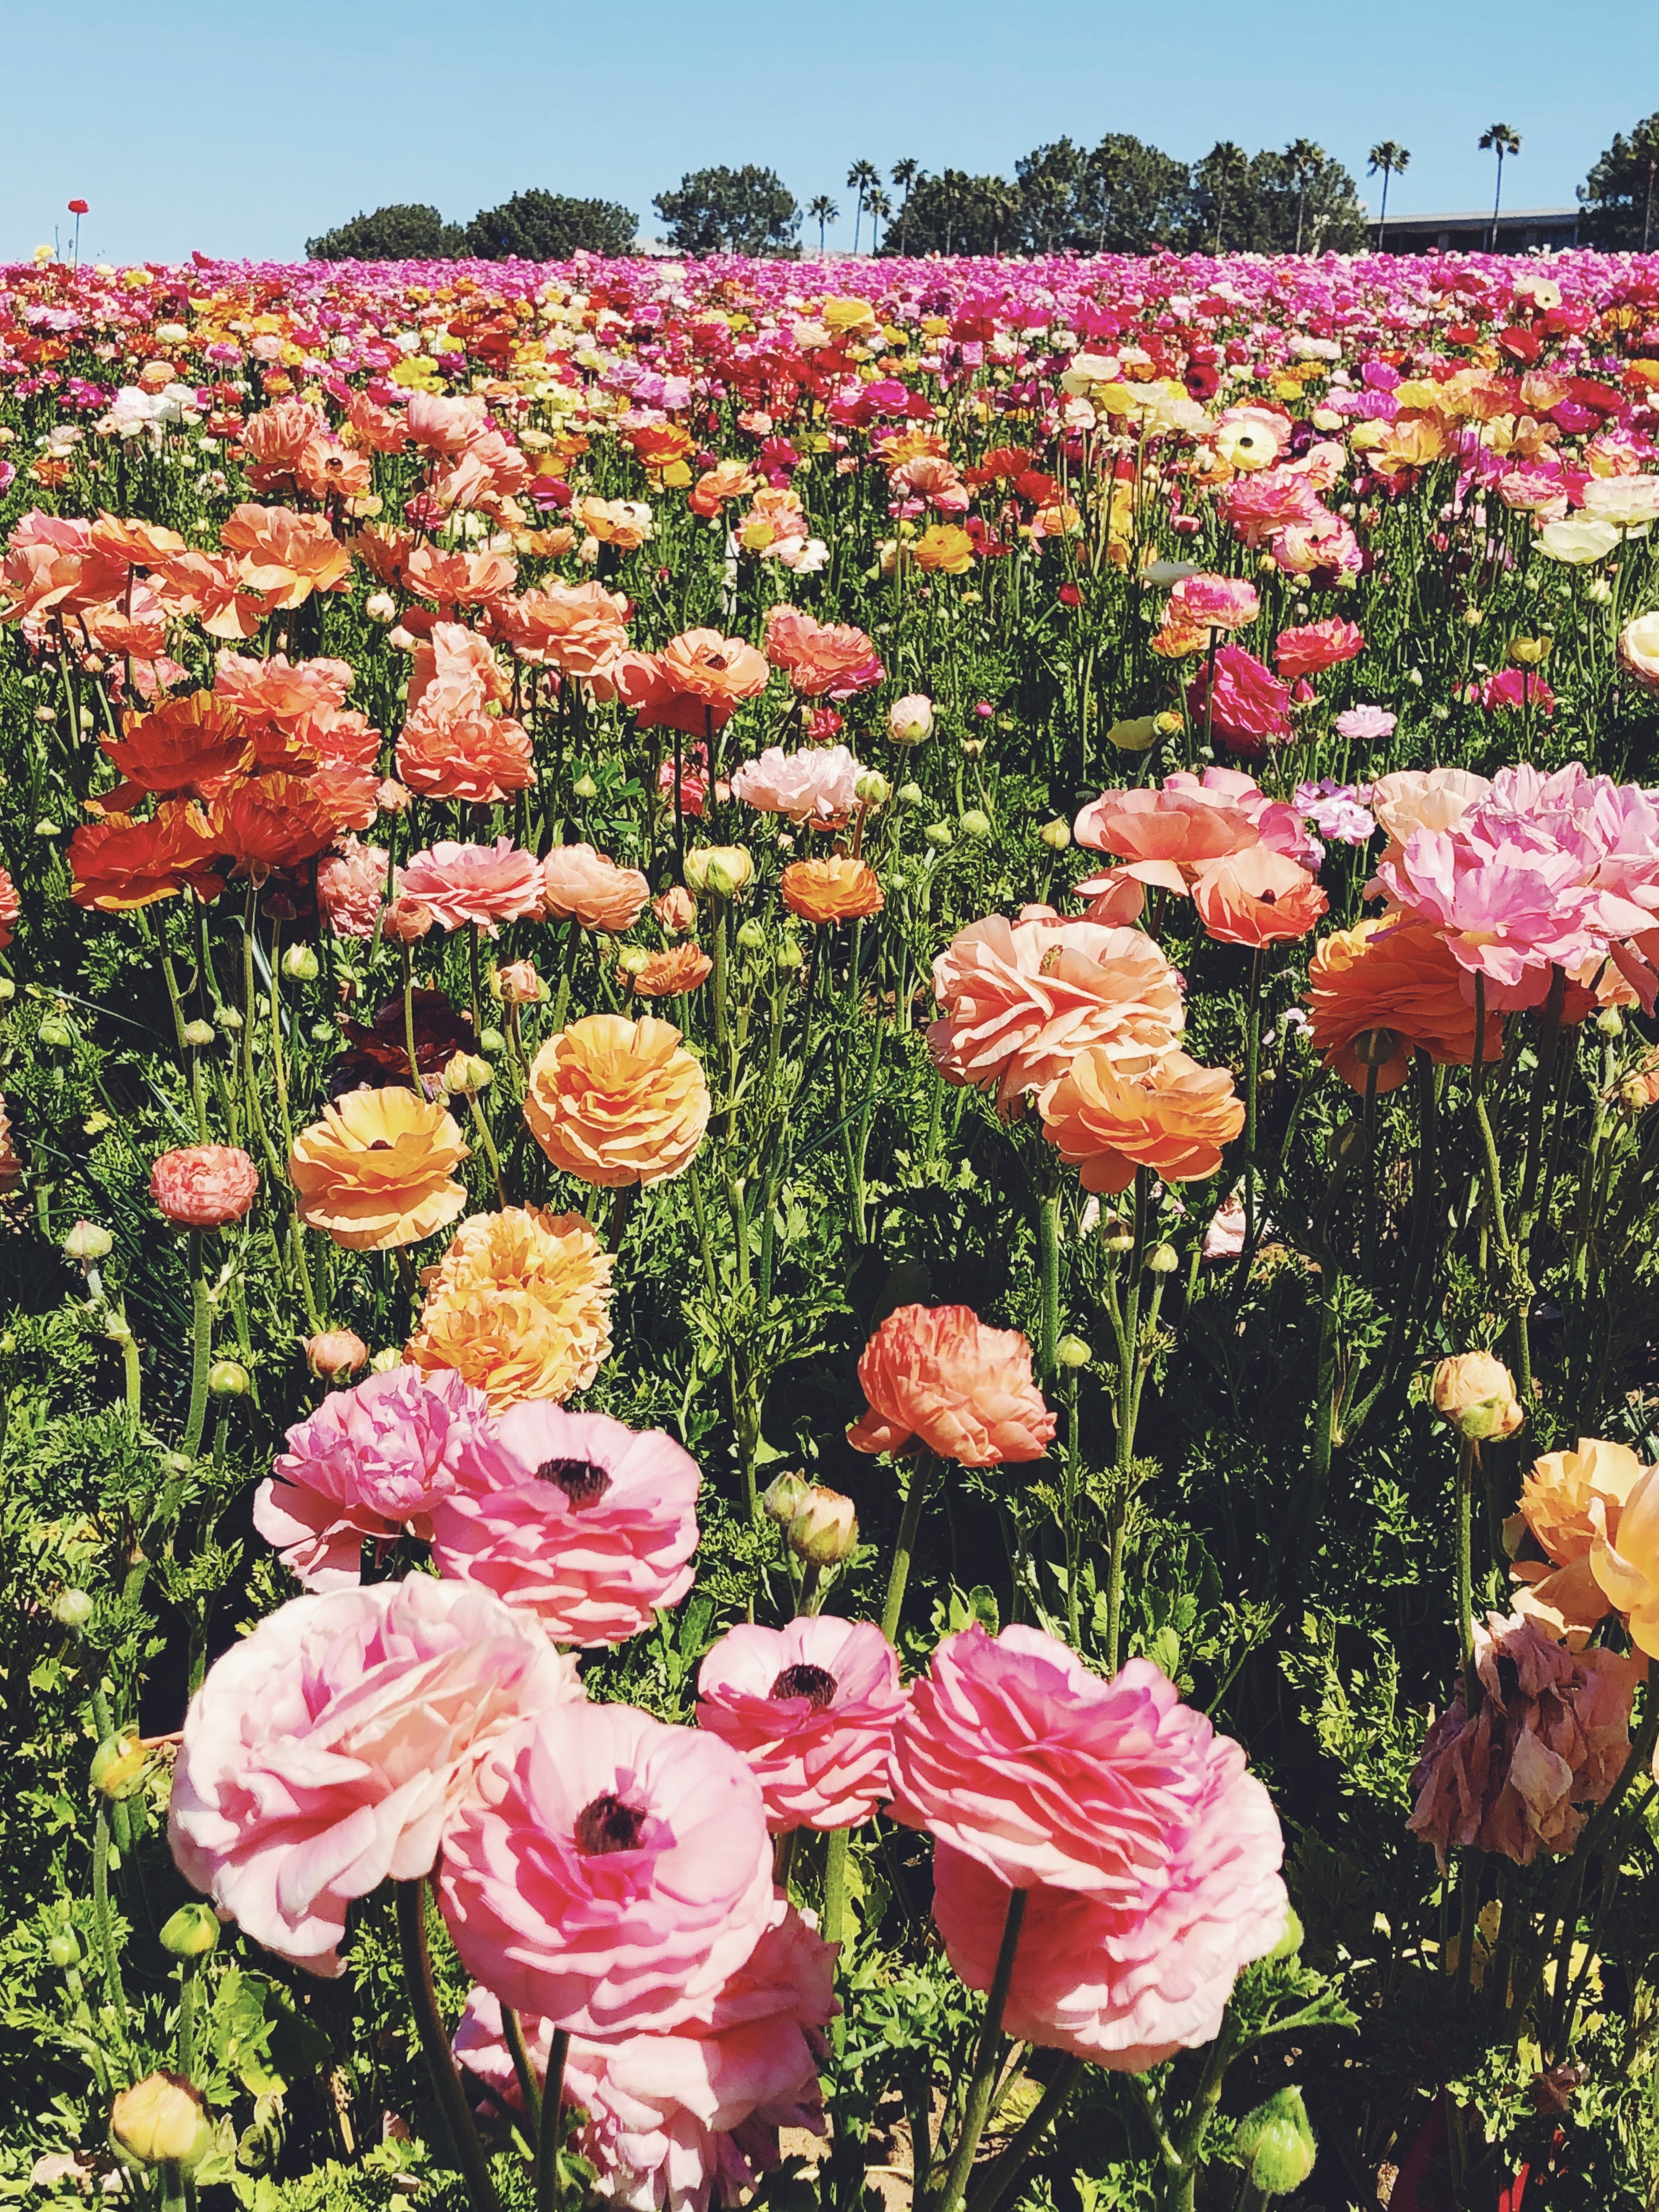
1519,230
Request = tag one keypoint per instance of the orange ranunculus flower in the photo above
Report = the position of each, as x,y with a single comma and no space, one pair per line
1178,1120
478,758
193,744
579,629
719,670
214,590
287,556
585,886
275,821
682,967
1392,983
662,450
1625,1561
718,487
937,1376
616,1102
140,545
624,523
838,889
383,550
519,1305
459,580
1559,1591
378,1170
944,547
118,863
1256,897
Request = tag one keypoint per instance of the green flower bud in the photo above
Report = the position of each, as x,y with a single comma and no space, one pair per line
467,1074
1115,1233
1290,1941
156,2120
911,794
384,1362
633,960
1056,835
584,788
55,1030
719,871
1163,1259
87,1242
784,1497
192,1931
1610,1022
63,1949
300,963
826,1529
8,990
751,938
940,835
228,1018
120,1765
229,1378
873,788
1277,2144
1072,1351
790,956
73,1608
199,1034
492,1041
976,822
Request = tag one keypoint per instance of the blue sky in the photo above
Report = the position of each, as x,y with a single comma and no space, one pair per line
241,131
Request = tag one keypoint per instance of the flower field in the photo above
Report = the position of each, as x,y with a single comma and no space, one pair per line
829,1180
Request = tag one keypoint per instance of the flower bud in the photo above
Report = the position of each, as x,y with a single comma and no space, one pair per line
633,959
871,788
117,1329
1072,1351
1277,2144
198,1033
8,990
120,1765
1376,1047
300,962
1116,1234
976,822
1056,835
940,835
336,1352
87,1242
1610,1022
719,871
1475,1393
674,910
1163,1260
64,1948
826,1529
584,788
751,938
1137,736
518,984
381,608
55,1030
467,1073
72,1608
784,1497
229,1378
1290,1941
192,1931
910,720
155,2121
228,1018
912,794
790,956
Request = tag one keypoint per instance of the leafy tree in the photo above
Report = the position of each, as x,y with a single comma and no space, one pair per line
747,210
539,226
1135,197
1499,138
401,233
1388,159
1620,197
879,208
954,213
904,174
1297,201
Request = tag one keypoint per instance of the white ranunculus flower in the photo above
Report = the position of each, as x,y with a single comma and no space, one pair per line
1577,538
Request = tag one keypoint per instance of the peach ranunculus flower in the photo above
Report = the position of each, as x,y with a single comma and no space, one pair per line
937,1376
578,629
1256,897
719,670
1164,837
1422,798
823,660
675,910
519,1306
1393,984
581,884
834,890
1019,1000
481,884
378,1170
624,523
1625,1558
204,1186
284,556
1177,1119
616,1102
718,487
479,759
667,975
1559,1591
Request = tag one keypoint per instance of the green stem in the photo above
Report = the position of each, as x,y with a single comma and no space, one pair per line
835,1910
109,1956
549,2136
465,2146
986,2061
519,2051
1009,2169
201,1348
899,1574
1466,1580
1048,1275
188,1970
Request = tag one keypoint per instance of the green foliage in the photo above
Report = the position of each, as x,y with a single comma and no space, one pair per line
538,226
724,211
1620,195
399,232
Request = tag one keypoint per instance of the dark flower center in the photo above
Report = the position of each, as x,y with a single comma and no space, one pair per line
582,1482
1270,898
805,1680
608,1824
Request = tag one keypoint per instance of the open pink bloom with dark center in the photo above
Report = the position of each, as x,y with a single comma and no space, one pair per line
608,1872
1019,1000
584,1521
204,1186
936,1375
677,2120
482,884
1550,1737
324,1751
370,1462
812,1708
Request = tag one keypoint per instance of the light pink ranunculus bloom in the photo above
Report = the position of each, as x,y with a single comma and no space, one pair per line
1509,899
370,1462
815,786
585,886
586,1522
1020,1000
481,884
812,1708
204,1186
325,1751
676,2120
608,1871
351,885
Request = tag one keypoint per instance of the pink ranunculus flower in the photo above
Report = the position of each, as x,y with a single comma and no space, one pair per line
1510,900
351,885
585,886
1252,708
812,1708
823,660
482,884
608,1871
370,1462
1316,646
815,788
325,1751
204,1186
589,1524
677,2120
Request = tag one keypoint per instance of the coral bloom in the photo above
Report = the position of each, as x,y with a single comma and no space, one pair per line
376,1172
1257,897
823,660
1178,1120
1625,1559
1018,999
812,1708
617,1102
608,1871
1166,836
668,974
1250,709
580,1519
1316,646
479,759
275,822
370,1463
484,885
1559,1591
189,744
838,889
519,1305
118,863
1151,1857
582,885
936,1375
1395,984
326,1750
715,671
204,1186
351,885
1551,1736
285,556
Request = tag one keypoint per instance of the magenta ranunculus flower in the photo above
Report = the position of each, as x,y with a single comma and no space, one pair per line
608,1872
588,1523
812,1708
204,1186
370,1462
1252,707
674,2119
324,1752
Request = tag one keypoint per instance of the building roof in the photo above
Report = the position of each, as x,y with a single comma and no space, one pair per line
1481,214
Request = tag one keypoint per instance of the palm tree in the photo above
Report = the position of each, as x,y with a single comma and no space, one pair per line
1306,160
1001,204
953,183
1499,138
860,179
1229,170
881,207
821,210
905,173
1391,161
